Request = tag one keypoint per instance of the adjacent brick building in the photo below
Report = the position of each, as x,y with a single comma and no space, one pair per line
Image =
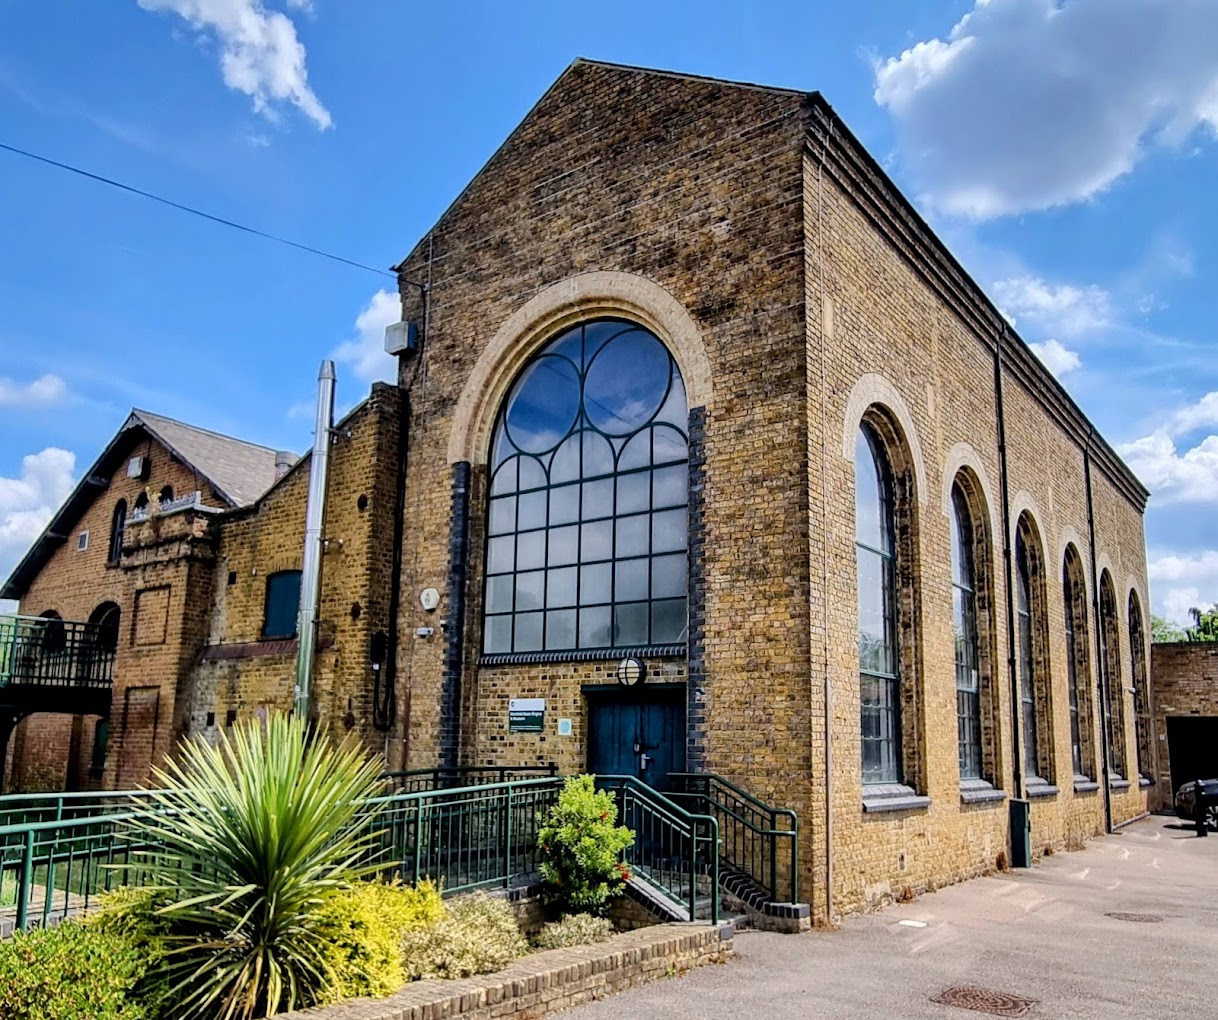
696,385
1185,723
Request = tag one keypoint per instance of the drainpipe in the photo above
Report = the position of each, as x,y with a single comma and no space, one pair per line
310,574
1101,684
1008,564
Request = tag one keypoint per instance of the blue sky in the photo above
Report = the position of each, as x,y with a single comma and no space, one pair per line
1065,151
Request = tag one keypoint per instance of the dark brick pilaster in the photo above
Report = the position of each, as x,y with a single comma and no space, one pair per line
454,652
697,693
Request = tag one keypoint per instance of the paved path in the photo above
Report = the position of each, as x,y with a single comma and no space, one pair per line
1041,934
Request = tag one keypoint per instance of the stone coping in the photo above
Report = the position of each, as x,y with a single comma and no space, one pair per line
543,982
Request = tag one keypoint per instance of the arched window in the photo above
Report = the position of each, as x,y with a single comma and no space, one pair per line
282,605
117,523
98,650
166,493
586,523
1110,661
968,649
1078,668
141,501
1141,689
879,655
1036,710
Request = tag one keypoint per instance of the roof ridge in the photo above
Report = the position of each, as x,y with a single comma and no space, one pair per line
688,76
199,428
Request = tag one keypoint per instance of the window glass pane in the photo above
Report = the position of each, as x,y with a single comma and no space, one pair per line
560,589
872,524
529,590
498,634
500,554
594,583
668,531
671,486
675,410
626,383
669,576
598,456
565,465
560,629
668,621
636,453
528,632
633,492
532,474
564,504
598,499
282,604
543,404
499,593
594,627
668,445
631,580
502,516
532,512
531,550
630,624
564,545
597,541
632,536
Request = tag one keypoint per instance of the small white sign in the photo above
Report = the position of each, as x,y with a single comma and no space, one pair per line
564,727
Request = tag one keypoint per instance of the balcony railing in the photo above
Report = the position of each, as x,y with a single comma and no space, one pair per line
40,652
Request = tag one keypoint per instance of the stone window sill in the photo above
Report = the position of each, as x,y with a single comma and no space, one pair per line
978,791
883,797
587,655
1083,784
1037,787
1145,781
1118,782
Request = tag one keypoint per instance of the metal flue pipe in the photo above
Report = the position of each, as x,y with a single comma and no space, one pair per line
315,512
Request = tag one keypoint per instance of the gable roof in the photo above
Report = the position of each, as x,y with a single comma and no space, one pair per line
238,471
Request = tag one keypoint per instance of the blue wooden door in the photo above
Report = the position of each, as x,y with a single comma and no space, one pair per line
637,733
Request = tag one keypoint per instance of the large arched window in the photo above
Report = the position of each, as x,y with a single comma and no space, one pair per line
117,523
1036,712
879,654
589,485
1141,689
1078,670
968,649
1110,660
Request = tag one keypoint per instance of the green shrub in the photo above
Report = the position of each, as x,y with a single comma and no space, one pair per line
573,930
477,935
130,916
257,834
68,973
580,846
363,928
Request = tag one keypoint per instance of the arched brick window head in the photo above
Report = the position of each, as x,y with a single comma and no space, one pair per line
589,486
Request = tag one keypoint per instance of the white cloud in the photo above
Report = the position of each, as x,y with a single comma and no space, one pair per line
28,501
45,391
1029,104
259,52
1171,476
366,351
1195,416
1058,308
1056,357
1180,582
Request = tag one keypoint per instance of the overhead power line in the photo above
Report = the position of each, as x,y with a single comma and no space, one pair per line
196,212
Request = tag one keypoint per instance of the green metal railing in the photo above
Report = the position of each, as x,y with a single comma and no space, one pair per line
418,780
674,849
759,840
28,808
50,652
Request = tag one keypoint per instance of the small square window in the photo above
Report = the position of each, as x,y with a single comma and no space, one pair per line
82,541
230,717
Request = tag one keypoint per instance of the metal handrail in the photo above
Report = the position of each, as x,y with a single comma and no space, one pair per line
749,844
674,854
50,652
28,808
416,780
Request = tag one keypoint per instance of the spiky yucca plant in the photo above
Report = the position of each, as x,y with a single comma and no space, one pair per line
252,837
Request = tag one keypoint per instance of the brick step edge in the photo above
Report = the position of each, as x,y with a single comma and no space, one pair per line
543,982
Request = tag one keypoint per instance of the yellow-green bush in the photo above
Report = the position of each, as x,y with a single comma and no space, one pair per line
477,935
129,915
68,973
363,928
573,930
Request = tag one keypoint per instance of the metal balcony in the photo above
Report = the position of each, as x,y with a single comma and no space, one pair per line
53,665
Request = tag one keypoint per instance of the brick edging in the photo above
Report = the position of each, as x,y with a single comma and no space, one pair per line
544,982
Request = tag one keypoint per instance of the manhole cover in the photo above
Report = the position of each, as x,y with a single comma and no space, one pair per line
1140,918
985,1000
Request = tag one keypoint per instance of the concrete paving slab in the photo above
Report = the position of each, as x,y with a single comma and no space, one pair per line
1043,934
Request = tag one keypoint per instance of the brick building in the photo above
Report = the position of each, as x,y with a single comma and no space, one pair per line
1185,714
696,386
